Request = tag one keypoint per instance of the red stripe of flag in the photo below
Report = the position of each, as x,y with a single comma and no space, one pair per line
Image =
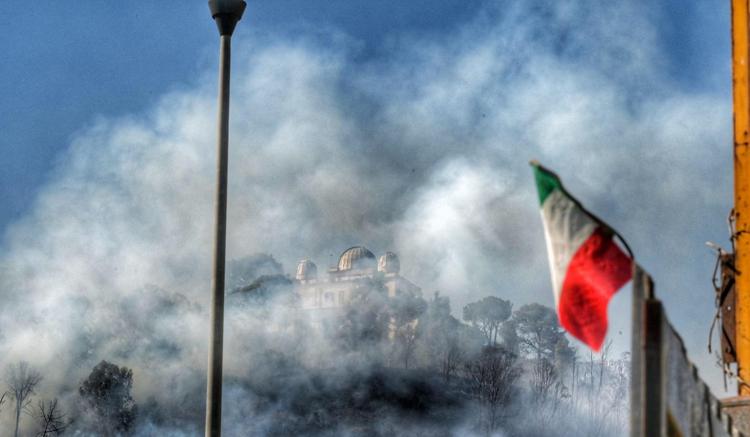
596,271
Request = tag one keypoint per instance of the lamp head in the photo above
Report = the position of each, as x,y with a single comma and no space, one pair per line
226,13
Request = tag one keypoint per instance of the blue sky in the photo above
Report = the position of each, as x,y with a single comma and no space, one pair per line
402,125
64,66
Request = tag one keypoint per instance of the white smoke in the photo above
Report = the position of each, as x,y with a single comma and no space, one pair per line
423,152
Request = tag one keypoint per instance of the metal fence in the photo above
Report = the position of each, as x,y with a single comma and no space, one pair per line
668,398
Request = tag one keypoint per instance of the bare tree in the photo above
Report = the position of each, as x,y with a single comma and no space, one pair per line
493,375
548,393
50,418
405,337
444,347
564,359
21,380
405,309
439,336
603,363
543,379
3,399
451,358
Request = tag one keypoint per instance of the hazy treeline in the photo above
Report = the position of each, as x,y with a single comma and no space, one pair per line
403,365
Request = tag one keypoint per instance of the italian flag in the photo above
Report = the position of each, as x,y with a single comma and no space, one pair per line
587,266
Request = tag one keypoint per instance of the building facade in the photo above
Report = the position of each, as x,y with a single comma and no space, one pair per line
354,273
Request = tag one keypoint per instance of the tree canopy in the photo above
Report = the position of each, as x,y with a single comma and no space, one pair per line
488,315
538,330
106,397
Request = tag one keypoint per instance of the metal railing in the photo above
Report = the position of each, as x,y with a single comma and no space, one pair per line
668,398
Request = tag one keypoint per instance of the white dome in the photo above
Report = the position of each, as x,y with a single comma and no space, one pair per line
306,269
389,263
356,258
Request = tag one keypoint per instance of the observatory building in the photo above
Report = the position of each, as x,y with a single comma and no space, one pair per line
356,268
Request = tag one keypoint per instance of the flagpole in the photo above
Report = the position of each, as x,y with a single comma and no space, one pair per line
226,13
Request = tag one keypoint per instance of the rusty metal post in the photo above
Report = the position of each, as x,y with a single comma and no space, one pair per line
741,99
226,13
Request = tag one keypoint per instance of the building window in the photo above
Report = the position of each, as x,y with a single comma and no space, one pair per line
328,298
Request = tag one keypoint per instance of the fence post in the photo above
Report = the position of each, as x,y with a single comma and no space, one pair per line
642,289
647,405
636,397
653,408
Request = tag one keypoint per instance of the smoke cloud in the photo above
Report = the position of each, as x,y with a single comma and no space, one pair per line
422,151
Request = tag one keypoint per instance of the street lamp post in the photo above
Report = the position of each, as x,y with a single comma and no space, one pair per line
226,13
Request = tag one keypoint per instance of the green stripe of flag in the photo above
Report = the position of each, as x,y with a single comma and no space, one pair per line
546,182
